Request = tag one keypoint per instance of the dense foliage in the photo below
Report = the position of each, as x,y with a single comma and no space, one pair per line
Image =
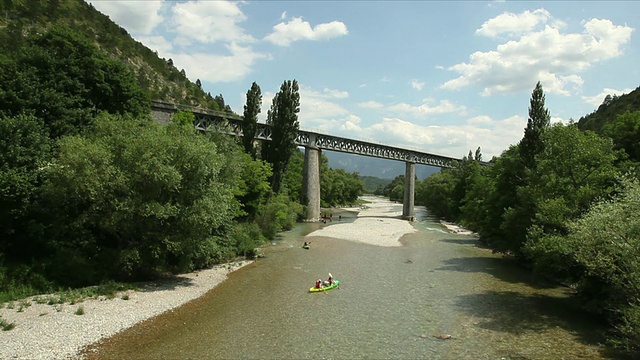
156,76
91,190
283,117
250,118
563,202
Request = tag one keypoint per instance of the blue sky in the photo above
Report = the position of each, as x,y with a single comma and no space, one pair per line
443,77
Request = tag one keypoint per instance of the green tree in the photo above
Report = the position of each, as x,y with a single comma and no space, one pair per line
436,193
65,80
395,189
283,117
507,218
604,243
25,151
574,170
538,121
292,180
131,201
250,118
625,132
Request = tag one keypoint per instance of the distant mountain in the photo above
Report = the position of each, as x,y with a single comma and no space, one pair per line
369,166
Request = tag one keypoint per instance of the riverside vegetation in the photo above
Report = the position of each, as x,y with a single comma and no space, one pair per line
565,202
93,192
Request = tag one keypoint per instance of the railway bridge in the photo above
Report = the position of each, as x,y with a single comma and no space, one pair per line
313,143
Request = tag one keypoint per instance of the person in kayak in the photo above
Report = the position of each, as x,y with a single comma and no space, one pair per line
329,282
319,284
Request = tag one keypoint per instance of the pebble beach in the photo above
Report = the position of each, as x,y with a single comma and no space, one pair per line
61,331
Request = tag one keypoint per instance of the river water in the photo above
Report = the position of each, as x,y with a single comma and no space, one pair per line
391,303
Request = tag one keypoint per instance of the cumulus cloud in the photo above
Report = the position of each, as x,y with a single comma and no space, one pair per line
317,107
209,22
219,68
139,17
297,29
548,55
416,84
511,23
449,140
445,106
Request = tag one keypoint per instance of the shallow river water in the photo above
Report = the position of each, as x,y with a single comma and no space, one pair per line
390,304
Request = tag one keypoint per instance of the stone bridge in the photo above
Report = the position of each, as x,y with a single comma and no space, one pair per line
313,143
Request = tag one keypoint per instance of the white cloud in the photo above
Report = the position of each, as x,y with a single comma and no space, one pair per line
511,23
209,22
370,105
597,100
449,140
445,106
219,68
336,94
139,17
416,84
547,55
297,29
481,120
283,15
316,107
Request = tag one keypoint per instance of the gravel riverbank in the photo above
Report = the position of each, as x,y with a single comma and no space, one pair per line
59,332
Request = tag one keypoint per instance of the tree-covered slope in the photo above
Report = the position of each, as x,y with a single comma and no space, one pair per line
158,76
611,107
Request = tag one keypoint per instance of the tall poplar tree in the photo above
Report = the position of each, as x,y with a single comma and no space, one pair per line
283,116
250,120
539,119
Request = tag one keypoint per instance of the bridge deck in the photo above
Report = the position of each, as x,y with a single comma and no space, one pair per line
231,124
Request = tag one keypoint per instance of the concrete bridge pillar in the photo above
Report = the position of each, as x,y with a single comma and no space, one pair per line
409,190
311,181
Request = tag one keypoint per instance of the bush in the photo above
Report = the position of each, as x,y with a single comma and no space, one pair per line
247,238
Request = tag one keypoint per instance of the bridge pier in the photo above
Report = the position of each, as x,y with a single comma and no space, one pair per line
409,190
311,182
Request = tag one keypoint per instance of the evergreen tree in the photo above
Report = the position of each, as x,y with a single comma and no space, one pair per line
250,120
283,116
539,119
478,156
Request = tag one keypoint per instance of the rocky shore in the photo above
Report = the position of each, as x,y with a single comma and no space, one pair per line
61,331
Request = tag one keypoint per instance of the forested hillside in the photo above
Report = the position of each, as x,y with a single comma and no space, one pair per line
92,191
158,76
611,107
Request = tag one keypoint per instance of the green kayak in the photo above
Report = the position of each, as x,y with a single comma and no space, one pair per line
325,288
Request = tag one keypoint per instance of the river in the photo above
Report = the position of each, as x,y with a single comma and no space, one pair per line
391,304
